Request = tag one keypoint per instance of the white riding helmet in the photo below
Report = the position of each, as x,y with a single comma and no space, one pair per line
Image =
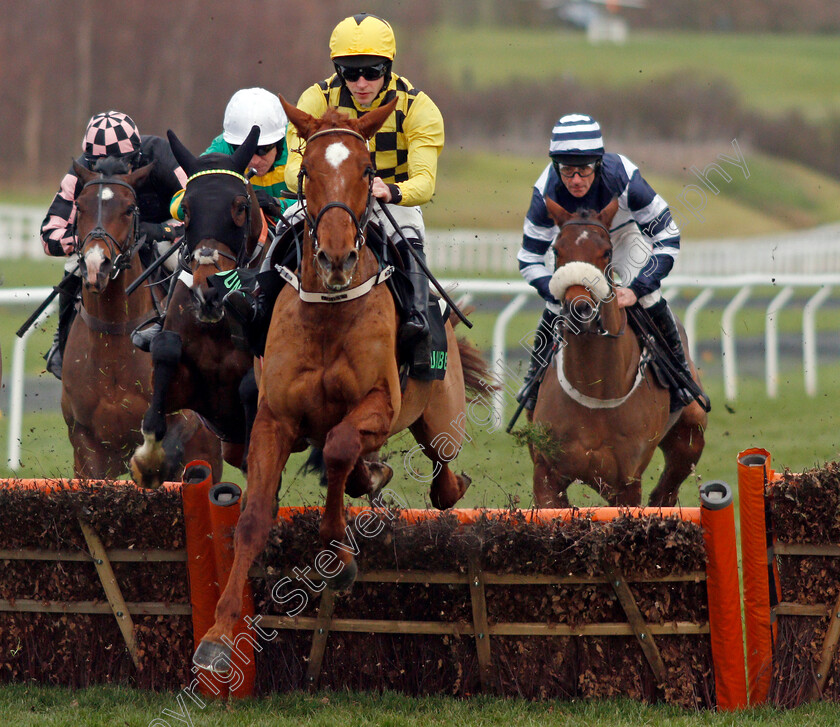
250,106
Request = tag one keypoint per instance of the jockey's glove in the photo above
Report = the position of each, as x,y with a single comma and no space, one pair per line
268,204
161,231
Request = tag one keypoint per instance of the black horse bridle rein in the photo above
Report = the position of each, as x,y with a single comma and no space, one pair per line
564,312
360,224
120,253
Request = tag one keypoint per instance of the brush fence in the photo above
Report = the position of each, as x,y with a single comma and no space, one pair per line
790,541
105,582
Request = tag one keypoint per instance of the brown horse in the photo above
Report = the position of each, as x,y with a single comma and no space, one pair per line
196,362
106,379
330,373
604,409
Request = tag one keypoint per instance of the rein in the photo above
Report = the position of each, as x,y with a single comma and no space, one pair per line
600,331
112,328
121,253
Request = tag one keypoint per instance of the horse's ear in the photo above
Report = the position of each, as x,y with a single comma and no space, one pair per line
556,211
369,124
302,121
139,175
83,173
607,214
246,150
182,154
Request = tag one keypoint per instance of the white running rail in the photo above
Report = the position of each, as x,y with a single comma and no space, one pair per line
519,293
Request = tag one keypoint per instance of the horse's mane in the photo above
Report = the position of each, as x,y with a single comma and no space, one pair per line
586,214
334,117
111,166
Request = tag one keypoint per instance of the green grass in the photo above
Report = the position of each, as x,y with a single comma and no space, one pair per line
800,432
771,73
31,706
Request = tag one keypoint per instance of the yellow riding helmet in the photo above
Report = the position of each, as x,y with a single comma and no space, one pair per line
363,35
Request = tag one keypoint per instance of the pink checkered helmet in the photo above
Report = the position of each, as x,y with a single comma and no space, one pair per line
111,133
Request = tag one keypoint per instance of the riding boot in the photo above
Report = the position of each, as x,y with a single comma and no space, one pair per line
67,295
252,310
543,342
665,322
414,333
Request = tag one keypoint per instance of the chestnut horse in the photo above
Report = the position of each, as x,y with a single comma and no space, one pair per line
106,381
330,374
605,410
196,363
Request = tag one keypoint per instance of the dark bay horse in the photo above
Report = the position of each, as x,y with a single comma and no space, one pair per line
196,364
106,382
605,411
330,375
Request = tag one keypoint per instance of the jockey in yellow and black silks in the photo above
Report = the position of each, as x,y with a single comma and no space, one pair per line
404,151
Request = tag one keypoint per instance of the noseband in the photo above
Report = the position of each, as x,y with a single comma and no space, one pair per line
120,253
360,224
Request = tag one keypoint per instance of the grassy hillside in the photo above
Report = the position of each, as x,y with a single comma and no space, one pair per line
491,190
772,73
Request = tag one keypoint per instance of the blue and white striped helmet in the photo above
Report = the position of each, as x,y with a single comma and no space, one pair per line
576,140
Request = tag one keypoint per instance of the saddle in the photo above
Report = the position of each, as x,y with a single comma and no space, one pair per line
662,362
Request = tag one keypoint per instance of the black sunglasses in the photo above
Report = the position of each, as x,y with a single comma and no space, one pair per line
370,73
260,151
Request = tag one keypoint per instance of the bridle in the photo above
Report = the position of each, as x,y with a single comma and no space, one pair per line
360,223
565,314
121,254
211,256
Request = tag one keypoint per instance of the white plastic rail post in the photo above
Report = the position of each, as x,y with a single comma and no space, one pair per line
771,341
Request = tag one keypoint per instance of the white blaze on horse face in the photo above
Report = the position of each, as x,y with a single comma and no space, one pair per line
107,193
94,257
583,236
336,153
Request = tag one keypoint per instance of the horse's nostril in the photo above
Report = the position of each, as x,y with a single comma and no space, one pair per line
323,260
581,309
350,261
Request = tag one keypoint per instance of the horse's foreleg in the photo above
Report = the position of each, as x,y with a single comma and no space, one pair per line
149,459
90,461
272,442
364,429
682,447
368,477
549,488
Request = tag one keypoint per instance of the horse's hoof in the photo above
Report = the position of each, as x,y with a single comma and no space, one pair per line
465,481
380,475
213,657
345,577
142,476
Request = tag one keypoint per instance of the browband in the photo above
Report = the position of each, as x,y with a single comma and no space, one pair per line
217,171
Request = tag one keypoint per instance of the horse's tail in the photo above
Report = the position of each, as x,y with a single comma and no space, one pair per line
315,464
478,379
